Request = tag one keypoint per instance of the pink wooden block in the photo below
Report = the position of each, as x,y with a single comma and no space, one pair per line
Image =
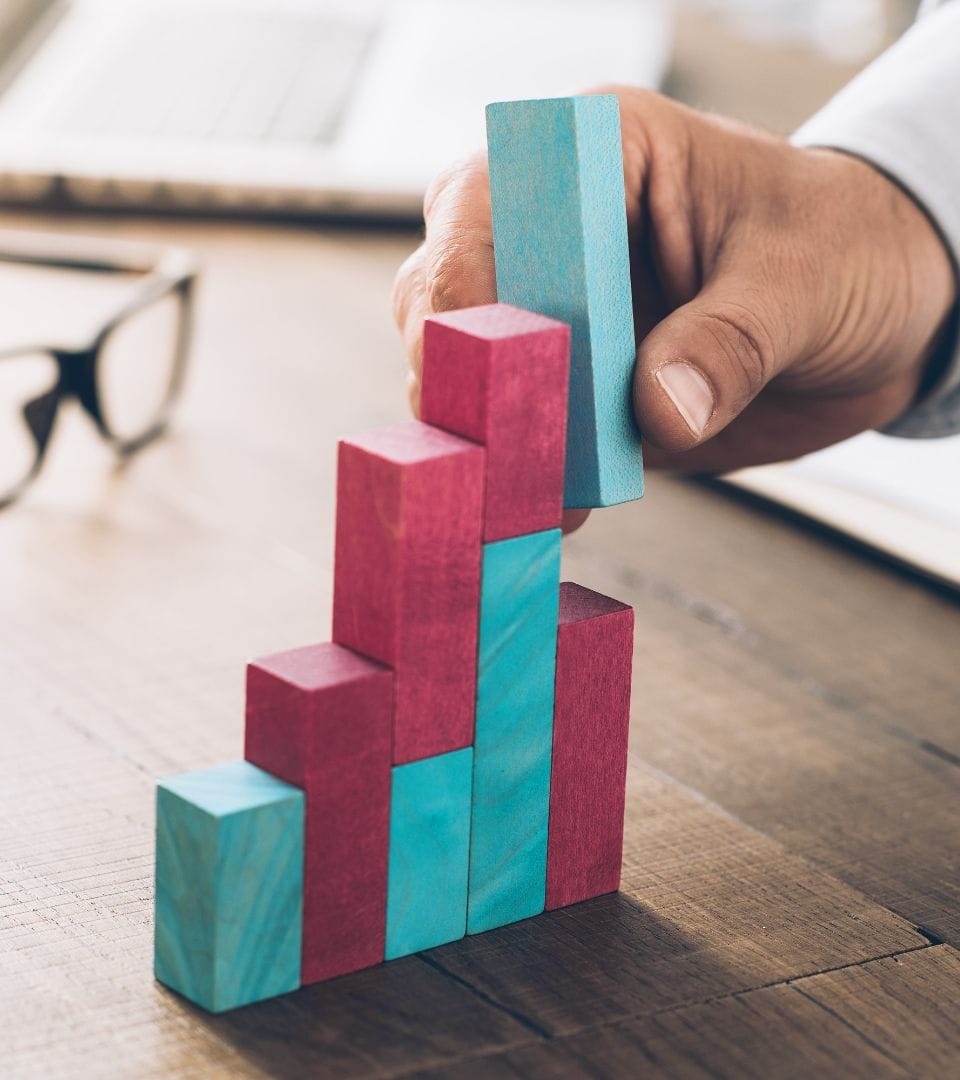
499,375
320,718
591,719
407,576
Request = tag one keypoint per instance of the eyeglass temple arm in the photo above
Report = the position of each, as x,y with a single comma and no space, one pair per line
98,256
165,269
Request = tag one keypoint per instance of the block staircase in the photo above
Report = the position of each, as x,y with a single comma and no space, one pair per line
454,760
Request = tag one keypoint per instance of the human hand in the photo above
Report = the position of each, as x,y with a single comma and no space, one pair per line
784,298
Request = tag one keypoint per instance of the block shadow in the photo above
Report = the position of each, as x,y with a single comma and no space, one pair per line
594,963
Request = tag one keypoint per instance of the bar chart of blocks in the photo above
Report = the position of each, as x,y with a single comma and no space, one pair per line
454,760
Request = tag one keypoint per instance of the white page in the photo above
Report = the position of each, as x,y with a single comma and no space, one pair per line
901,496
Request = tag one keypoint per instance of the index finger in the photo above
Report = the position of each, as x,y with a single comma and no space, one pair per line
458,249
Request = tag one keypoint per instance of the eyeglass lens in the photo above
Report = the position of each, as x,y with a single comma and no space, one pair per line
136,368
27,386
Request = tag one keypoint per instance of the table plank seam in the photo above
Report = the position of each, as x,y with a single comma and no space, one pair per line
544,1036
520,1018
711,999
872,1043
933,938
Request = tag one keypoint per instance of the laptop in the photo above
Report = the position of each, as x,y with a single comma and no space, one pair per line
293,107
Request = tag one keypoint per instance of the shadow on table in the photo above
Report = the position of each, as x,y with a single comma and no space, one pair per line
593,963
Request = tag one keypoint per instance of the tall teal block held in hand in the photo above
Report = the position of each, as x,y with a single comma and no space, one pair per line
514,729
229,885
429,849
560,246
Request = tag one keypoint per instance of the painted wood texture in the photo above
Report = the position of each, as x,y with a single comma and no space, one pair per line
591,720
429,852
407,575
229,884
320,717
515,685
499,375
815,722
560,245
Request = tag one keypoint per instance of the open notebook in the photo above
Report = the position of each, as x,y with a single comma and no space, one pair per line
900,496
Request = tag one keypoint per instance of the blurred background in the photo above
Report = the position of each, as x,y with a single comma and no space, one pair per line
773,62
308,107
189,121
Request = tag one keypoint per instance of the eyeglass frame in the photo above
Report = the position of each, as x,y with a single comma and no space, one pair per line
166,272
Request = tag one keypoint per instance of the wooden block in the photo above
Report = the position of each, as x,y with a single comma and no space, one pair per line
560,244
429,852
591,719
499,375
320,717
229,885
511,773
407,578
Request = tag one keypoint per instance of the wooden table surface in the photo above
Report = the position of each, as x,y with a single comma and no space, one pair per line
791,891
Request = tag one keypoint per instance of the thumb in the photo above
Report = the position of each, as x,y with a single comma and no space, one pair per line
703,364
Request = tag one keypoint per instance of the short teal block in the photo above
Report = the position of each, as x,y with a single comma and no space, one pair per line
560,245
514,729
429,852
229,885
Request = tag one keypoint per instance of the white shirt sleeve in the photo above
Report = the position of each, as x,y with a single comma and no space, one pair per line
903,114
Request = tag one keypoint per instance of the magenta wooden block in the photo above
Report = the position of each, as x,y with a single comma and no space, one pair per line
407,575
320,718
499,375
590,724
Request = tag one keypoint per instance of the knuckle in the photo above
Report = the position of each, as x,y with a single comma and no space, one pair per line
444,287
461,175
745,344
460,269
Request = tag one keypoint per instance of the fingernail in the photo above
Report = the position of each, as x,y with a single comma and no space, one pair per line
690,393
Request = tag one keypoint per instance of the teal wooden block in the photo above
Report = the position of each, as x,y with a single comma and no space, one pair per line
229,885
514,729
560,246
429,846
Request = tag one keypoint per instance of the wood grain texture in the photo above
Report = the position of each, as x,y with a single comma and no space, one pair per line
511,770
499,375
591,720
229,885
382,1022
407,575
706,908
429,852
824,584
817,717
320,717
771,1032
560,244
801,716
907,1006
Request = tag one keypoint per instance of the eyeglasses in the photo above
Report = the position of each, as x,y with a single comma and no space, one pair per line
126,377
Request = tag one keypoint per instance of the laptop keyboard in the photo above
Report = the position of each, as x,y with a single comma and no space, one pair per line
203,75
